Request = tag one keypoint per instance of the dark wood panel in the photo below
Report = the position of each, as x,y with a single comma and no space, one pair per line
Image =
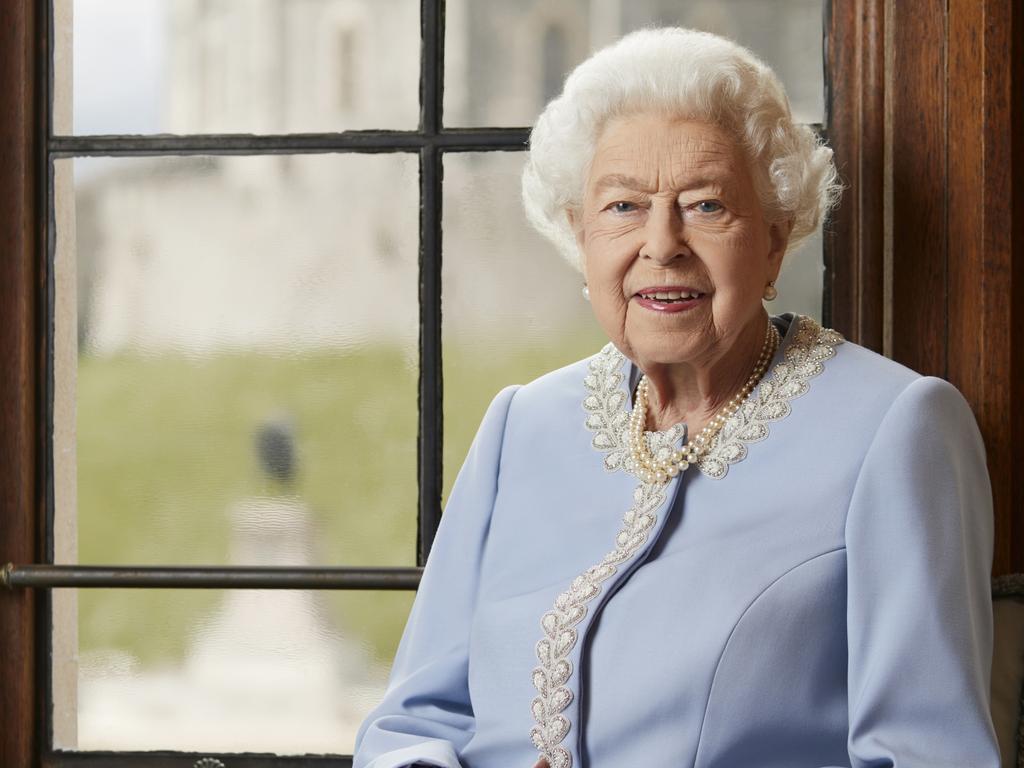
953,230
969,303
19,348
980,243
855,122
1016,377
972,185
917,81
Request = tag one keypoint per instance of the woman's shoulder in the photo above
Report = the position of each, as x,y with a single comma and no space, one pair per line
553,402
861,369
558,385
867,385
811,351
851,382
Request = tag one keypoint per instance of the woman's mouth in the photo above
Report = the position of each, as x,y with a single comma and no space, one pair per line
668,298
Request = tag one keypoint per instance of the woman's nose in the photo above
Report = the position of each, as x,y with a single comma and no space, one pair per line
665,237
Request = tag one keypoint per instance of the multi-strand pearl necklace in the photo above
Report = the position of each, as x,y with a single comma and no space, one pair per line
652,470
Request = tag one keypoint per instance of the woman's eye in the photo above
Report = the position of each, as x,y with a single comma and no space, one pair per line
708,206
622,207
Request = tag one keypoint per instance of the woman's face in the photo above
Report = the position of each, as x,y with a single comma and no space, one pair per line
676,248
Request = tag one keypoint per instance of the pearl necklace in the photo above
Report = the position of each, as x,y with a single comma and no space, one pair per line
650,469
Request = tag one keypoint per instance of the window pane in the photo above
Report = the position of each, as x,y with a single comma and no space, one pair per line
231,66
513,308
279,671
246,360
505,60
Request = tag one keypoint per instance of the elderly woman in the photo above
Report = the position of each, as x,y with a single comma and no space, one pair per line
726,540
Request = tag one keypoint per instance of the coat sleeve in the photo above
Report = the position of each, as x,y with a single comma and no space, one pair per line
919,611
426,716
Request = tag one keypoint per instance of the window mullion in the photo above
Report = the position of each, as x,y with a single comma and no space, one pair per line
184,577
465,139
431,439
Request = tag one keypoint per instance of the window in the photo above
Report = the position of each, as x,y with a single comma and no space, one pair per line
907,93
246,352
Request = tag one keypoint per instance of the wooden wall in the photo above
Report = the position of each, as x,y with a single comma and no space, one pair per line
928,264
20,352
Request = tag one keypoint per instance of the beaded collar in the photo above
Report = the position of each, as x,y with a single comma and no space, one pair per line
806,346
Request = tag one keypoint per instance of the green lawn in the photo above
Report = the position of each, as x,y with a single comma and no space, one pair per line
165,449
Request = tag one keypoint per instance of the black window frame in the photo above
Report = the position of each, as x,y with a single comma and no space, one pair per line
430,141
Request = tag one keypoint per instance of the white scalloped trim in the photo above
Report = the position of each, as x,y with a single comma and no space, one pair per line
788,379
559,624
608,418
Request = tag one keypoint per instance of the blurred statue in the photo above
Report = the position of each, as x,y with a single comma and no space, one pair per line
275,448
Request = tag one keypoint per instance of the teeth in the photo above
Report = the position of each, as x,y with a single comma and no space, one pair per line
671,295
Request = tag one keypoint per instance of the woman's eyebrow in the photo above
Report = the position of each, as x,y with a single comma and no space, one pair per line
625,181
621,181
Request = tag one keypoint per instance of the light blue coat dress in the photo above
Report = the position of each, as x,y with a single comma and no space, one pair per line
815,593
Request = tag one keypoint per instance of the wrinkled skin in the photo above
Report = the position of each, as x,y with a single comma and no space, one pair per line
672,201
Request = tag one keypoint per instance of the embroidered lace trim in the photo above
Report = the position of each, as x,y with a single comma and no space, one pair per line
787,379
559,624
608,419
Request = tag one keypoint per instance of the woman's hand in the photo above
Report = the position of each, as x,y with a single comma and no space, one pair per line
542,763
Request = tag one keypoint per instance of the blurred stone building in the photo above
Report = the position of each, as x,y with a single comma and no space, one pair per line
201,254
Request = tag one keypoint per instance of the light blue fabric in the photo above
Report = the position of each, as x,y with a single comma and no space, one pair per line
825,604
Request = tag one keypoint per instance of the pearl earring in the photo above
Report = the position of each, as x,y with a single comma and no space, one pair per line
770,292
586,292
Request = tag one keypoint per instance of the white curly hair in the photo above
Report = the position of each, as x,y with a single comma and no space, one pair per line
687,73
